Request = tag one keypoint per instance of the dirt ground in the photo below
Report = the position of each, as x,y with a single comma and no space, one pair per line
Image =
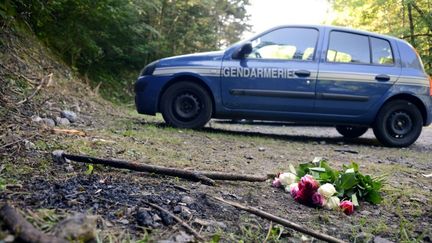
119,197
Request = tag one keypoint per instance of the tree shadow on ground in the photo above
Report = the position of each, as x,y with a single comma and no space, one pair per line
282,137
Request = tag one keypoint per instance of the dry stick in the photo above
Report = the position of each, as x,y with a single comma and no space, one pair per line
233,177
23,229
136,166
282,221
204,176
185,225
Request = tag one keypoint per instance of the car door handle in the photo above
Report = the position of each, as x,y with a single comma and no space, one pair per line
302,73
382,77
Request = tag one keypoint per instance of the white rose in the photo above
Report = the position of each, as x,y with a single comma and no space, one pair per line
327,190
332,203
287,178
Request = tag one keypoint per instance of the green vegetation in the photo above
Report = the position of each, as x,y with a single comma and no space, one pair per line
407,19
109,41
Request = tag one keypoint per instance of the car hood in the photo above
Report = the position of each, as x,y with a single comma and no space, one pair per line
213,58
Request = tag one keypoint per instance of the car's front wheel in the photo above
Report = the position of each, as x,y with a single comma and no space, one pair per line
186,105
398,124
351,131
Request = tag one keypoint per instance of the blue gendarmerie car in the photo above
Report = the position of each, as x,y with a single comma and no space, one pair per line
307,74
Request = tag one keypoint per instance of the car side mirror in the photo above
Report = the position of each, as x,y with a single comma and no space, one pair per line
242,51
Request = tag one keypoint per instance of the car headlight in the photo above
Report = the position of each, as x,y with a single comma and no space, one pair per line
149,69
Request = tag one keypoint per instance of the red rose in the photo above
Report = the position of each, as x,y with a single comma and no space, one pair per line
347,207
318,200
301,197
309,184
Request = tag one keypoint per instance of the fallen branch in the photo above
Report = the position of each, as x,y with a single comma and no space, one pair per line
184,224
203,176
282,221
23,229
68,131
136,166
233,177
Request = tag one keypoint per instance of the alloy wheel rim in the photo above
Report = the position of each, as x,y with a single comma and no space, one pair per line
186,106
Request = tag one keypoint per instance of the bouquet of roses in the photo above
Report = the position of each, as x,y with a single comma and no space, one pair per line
317,184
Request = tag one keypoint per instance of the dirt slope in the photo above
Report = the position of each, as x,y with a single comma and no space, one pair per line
48,192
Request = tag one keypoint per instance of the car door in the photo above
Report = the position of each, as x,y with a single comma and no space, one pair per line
355,73
279,74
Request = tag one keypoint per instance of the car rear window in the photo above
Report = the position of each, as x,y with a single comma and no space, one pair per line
347,47
381,52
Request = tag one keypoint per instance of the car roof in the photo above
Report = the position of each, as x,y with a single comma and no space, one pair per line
323,27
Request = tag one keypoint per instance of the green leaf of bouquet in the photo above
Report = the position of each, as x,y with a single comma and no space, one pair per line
350,170
347,181
355,166
292,169
354,200
373,197
303,169
317,169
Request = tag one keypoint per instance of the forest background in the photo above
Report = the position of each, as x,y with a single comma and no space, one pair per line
107,42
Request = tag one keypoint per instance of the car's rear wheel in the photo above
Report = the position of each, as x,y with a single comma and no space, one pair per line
398,124
351,131
186,105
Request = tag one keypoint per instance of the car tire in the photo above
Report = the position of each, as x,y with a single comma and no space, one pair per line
351,131
398,124
186,105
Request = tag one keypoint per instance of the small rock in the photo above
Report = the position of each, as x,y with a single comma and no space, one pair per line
213,224
156,218
183,237
48,122
9,238
177,209
144,218
166,219
322,142
379,239
124,221
29,145
62,121
36,119
188,200
57,157
70,115
261,149
79,227
249,157
364,238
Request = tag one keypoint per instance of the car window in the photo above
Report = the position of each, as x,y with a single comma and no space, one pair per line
348,48
286,44
381,52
